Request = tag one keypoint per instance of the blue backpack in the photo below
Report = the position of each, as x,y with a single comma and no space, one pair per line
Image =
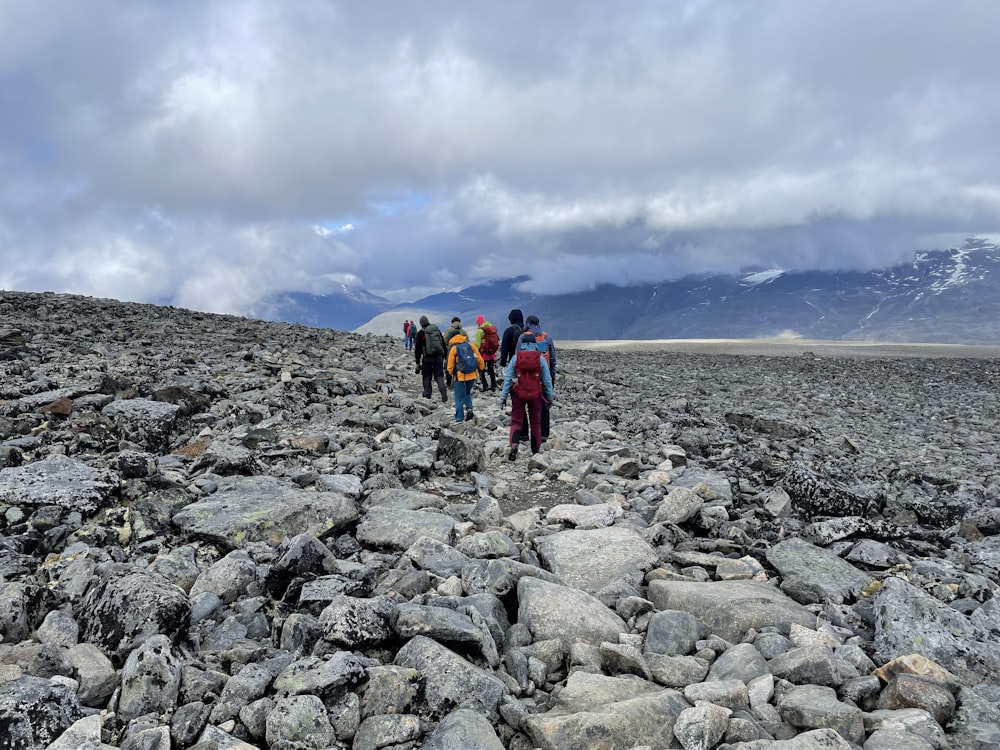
465,358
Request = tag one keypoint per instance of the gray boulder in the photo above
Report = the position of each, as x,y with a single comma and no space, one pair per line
436,557
905,615
701,727
813,574
550,611
740,662
35,711
228,578
498,577
608,712
816,707
123,609
147,423
301,722
354,622
463,730
449,681
387,731
395,528
95,673
58,480
264,509
151,679
447,626
591,559
731,608
462,452
14,611
329,676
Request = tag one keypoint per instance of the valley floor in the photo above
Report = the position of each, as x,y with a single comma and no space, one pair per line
791,348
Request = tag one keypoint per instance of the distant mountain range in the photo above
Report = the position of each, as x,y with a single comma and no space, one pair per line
942,296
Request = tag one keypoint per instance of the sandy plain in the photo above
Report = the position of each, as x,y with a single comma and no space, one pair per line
782,347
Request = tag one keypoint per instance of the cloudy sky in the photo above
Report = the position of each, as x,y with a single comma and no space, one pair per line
206,153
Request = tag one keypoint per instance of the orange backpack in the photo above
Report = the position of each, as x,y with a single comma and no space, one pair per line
543,346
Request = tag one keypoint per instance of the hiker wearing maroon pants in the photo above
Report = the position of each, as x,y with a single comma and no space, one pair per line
527,381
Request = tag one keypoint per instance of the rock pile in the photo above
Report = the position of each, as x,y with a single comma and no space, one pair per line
223,533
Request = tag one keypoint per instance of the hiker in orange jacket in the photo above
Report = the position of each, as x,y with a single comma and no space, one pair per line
464,364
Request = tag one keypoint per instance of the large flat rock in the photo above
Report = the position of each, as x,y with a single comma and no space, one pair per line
264,509
58,480
731,608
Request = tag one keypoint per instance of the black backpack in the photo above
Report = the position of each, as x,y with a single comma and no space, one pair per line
433,341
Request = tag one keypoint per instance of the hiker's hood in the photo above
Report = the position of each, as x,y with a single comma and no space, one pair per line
527,343
516,317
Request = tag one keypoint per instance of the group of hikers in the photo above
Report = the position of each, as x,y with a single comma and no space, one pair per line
527,358
409,334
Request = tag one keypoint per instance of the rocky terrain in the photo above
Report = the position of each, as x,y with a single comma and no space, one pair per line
223,533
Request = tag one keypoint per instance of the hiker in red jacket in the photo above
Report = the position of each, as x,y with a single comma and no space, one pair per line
488,344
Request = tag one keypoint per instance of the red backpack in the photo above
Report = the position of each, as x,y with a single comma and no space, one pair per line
491,342
528,375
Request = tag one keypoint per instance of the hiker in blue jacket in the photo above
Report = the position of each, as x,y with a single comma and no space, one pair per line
548,349
528,382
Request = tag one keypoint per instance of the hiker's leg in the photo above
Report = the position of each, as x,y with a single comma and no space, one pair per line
535,418
468,386
516,419
546,414
426,372
456,393
438,365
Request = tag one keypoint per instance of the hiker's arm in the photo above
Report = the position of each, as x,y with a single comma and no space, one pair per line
546,378
508,380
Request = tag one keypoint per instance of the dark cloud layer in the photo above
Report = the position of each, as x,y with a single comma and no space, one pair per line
211,152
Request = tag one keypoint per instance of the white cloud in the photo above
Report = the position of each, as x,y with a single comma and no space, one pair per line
202,151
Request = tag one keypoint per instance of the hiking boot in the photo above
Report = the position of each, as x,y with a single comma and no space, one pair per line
444,398
512,453
469,416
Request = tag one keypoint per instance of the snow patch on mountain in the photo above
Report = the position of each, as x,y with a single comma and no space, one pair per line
955,275
762,277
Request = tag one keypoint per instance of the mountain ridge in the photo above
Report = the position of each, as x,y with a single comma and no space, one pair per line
940,296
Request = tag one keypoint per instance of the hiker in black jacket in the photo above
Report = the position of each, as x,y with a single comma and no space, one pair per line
430,352
508,344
